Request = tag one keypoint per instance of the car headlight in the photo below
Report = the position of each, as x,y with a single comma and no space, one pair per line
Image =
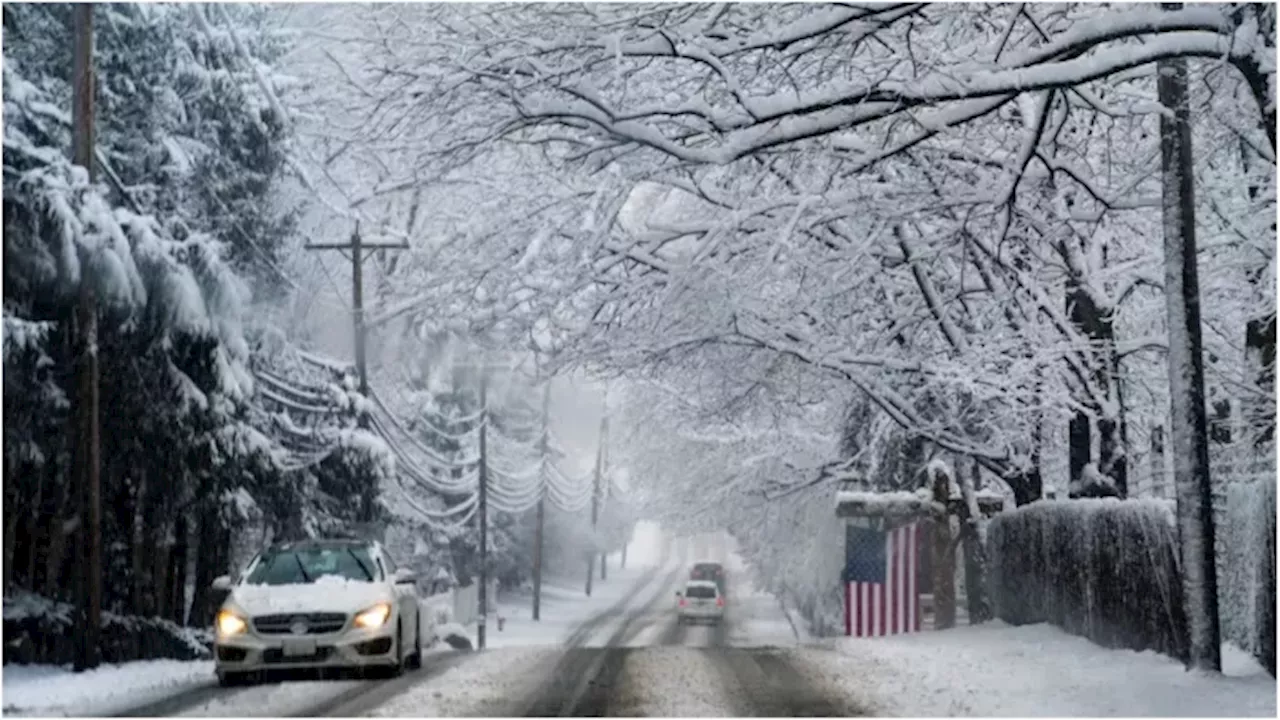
230,623
374,617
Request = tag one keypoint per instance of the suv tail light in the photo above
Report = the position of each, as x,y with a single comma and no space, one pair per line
719,601
682,602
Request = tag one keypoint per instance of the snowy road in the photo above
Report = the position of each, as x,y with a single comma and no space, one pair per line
635,659
654,666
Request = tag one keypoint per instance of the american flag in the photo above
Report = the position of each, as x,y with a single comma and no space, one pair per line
880,593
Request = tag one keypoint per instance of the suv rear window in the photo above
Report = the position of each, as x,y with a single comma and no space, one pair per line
701,592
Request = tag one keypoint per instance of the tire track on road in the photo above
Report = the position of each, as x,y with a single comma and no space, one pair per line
180,702
763,683
582,683
361,700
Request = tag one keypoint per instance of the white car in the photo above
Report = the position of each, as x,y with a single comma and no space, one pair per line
701,601
318,604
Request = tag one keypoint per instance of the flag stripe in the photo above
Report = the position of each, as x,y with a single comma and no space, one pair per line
892,606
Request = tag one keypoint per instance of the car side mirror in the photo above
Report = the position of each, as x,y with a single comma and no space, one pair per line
404,576
678,593
222,583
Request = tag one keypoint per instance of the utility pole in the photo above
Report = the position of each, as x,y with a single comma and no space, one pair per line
595,501
88,449
542,499
357,248
606,487
483,510
1191,471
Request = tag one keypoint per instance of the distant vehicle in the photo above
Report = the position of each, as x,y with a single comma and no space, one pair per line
701,601
709,571
318,604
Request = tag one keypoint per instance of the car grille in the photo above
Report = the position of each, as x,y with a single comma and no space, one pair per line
317,623
275,656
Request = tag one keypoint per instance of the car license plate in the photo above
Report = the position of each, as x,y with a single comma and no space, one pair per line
299,648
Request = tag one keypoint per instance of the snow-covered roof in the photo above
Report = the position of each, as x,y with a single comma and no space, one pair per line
860,503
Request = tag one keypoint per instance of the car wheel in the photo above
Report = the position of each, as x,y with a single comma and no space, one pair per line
415,660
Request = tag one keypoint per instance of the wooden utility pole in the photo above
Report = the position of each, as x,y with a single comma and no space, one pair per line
357,248
595,501
542,499
1188,420
606,486
483,510
88,451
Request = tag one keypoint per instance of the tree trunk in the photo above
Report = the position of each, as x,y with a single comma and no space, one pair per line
1260,363
176,575
160,571
1159,485
944,560
139,597
1079,429
201,613
1186,372
975,554
1027,485
61,525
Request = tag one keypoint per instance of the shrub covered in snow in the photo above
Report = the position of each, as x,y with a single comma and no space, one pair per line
37,629
1248,583
1101,568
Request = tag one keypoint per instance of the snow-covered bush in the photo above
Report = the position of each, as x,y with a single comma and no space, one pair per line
1105,569
1248,584
37,629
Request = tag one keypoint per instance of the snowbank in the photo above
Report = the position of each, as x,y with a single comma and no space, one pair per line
52,691
1034,670
855,503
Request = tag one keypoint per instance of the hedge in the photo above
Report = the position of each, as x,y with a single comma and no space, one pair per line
1104,569
39,630
1247,584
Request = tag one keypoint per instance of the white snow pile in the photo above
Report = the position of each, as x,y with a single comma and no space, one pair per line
490,684
669,682
1030,671
328,592
901,502
46,690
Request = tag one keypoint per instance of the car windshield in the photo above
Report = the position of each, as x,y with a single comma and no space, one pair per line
306,565
701,592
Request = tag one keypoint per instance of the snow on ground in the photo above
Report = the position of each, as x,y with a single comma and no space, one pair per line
487,685
1036,670
565,607
757,619
272,699
669,682
49,691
